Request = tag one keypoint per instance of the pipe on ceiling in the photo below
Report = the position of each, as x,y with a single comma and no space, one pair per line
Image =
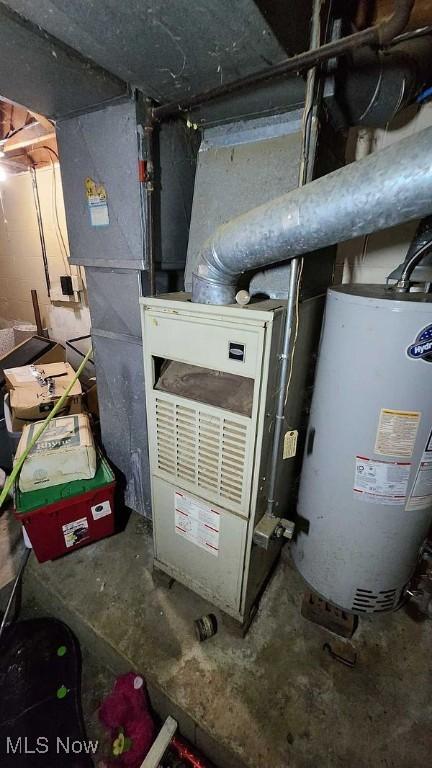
379,35
384,189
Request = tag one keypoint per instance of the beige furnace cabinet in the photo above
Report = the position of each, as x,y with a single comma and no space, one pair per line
210,376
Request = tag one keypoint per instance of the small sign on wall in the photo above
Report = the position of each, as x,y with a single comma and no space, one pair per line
97,203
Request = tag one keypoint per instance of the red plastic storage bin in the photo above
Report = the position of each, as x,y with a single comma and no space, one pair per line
71,521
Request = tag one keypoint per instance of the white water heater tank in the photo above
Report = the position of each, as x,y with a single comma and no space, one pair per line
365,499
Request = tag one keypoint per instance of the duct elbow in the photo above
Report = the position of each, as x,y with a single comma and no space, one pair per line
206,290
212,283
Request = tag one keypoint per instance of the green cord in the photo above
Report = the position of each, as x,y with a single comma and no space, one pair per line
17,466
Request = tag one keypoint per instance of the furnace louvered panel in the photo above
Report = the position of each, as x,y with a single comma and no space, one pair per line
204,449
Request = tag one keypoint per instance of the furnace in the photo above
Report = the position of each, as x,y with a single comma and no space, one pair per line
211,376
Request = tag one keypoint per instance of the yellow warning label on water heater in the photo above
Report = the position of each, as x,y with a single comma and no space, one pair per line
397,432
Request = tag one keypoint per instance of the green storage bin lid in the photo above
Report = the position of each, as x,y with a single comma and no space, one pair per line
27,502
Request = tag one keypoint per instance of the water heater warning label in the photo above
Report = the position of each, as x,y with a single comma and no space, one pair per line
397,432
381,482
197,522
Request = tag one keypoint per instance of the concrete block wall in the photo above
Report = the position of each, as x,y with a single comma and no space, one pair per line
21,264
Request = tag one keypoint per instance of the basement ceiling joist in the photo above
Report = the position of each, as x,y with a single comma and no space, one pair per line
26,138
167,49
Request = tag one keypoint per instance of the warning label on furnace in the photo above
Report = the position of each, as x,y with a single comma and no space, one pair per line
381,482
421,494
197,522
397,432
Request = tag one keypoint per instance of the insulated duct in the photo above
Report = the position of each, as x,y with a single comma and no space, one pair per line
380,191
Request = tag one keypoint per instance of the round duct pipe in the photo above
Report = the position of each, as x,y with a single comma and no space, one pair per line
375,85
380,191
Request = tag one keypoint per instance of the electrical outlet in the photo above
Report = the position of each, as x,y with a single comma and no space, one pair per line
66,285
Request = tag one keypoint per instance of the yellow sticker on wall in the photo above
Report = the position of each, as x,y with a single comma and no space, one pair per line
90,186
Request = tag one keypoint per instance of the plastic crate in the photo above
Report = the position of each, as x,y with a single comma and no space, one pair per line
63,518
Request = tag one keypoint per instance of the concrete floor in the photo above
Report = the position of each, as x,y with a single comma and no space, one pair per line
274,699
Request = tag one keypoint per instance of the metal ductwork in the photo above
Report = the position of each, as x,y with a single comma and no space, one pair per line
380,191
376,85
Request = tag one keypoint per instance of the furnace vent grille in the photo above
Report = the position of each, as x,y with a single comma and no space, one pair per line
203,449
366,601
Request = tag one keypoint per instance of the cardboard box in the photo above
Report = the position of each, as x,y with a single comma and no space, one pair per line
57,354
34,390
37,349
65,452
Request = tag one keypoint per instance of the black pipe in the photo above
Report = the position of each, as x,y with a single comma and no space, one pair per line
422,236
375,85
412,34
420,247
379,35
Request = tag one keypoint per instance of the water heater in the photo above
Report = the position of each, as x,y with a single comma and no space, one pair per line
365,499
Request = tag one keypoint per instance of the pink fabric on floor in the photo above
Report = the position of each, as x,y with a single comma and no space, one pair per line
127,709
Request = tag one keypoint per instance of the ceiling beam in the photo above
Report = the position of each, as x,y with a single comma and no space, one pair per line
33,133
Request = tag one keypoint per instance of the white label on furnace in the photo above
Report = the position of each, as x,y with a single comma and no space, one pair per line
381,482
101,510
397,432
421,494
197,522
